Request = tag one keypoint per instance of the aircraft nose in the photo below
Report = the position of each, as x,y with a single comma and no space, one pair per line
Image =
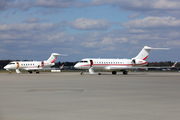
76,65
6,67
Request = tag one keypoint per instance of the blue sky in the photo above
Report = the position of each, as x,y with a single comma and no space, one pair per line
33,29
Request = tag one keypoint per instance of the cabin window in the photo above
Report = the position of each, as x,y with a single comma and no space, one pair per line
83,61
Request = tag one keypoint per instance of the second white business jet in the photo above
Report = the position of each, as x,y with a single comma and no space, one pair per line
31,66
115,65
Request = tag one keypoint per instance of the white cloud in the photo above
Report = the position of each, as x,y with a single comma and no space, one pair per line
60,37
133,16
90,24
44,38
28,26
26,4
110,48
90,44
153,22
113,41
175,43
55,3
152,7
32,20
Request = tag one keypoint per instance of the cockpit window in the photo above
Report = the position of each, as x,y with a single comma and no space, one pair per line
11,63
83,61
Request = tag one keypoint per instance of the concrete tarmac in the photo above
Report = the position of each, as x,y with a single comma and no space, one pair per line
71,96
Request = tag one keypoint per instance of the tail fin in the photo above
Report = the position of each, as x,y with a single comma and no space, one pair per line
174,64
53,57
145,52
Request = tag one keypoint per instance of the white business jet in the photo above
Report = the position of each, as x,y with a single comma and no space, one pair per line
115,65
31,66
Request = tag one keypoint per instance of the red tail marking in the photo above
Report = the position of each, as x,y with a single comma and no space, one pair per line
145,58
53,60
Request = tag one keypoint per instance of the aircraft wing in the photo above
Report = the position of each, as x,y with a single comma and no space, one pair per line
124,67
136,67
29,69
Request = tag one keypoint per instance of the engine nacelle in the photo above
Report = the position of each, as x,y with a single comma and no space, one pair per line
138,62
47,64
133,61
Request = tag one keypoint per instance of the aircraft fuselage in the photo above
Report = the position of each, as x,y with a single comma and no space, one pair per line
109,64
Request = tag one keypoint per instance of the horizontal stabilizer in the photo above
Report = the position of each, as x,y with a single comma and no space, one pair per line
150,48
63,54
145,52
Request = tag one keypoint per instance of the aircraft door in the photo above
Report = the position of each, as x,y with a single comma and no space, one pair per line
133,62
42,63
17,65
91,63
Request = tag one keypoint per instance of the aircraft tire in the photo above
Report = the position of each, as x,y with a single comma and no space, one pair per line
81,73
125,72
114,72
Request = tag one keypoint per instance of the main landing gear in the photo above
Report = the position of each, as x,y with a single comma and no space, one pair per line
81,73
124,72
37,72
114,72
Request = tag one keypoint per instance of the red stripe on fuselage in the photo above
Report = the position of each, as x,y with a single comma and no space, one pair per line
115,64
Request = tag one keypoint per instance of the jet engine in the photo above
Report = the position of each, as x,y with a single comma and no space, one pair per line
46,64
138,62
133,61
